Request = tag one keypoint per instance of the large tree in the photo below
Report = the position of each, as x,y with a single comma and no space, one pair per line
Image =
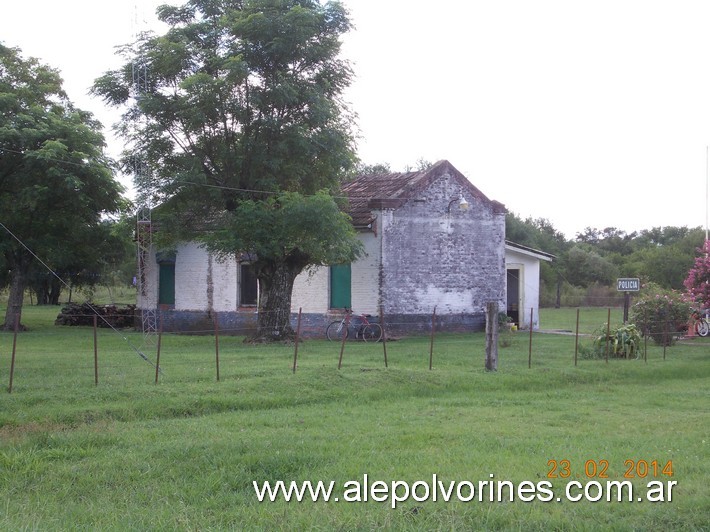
237,127
55,180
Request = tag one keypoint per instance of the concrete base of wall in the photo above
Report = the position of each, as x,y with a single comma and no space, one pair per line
241,323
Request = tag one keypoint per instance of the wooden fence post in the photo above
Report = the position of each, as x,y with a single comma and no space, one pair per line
431,344
492,336
576,339
384,334
96,353
530,342
14,349
160,338
298,339
608,332
216,343
346,328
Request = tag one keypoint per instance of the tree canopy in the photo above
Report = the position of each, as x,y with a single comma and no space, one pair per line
235,114
55,180
585,268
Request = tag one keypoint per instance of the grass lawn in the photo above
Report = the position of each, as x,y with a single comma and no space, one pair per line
183,454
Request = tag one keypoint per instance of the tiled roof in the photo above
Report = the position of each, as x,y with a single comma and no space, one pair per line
369,192
363,190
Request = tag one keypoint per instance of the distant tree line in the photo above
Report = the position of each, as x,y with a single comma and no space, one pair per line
585,268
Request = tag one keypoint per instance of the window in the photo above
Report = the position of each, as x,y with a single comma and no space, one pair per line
248,288
340,286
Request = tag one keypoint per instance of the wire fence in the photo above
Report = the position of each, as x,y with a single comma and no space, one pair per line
95,354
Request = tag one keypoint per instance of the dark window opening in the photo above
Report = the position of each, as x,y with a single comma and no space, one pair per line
248,287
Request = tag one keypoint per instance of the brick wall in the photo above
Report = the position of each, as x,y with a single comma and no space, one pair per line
454,261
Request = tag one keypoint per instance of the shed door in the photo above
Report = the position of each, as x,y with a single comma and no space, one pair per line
340,286
166,284
513,290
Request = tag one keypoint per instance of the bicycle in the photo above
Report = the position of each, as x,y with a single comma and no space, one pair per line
365,331
702,322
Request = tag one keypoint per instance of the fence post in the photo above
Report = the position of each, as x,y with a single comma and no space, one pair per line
431,344
96,353
14,349
216,343
298,338
160,338
608,332
667,339
530,342
492,336
645,337
576,339
345,336
384,334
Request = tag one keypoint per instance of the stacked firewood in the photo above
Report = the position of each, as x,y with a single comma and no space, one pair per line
119,317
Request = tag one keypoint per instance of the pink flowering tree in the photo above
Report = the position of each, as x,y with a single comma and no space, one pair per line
698,281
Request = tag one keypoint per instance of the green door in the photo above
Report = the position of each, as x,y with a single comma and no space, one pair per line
340,283
166,284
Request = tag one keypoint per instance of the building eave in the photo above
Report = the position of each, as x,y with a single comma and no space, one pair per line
525,250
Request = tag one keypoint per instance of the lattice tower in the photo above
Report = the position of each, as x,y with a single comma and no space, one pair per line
144,225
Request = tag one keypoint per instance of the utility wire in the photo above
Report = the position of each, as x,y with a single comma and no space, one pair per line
130,344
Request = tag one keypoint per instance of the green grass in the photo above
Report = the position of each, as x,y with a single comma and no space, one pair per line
182,454
590,318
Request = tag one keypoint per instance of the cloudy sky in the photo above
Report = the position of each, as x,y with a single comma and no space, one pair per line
586,113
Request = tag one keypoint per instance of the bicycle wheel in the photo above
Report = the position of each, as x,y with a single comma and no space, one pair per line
372,332
335,330
702,327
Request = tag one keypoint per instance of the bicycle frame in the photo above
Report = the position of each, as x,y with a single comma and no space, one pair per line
364,330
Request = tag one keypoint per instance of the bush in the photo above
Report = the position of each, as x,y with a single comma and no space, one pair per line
623,341
594,295
661,314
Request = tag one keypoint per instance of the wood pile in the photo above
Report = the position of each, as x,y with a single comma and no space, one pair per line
119,317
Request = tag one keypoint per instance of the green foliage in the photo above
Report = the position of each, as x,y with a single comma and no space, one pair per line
662,255
622,341
242,96
56,183
535,233
503,318
312,227
240,120
586,266
661,313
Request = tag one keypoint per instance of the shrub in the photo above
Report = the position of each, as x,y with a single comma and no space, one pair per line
661,314
623,341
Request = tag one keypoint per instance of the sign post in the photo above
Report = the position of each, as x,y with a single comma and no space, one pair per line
627,285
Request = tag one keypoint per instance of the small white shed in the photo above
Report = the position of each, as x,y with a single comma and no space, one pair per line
522,268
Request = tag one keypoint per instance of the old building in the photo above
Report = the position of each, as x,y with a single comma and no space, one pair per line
433,241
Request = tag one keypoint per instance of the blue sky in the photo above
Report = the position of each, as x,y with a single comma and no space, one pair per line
584,113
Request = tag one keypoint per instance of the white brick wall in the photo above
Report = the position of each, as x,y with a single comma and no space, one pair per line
436,255
311,291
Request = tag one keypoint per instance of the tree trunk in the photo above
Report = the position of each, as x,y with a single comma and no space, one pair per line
275,288
54,291
13,314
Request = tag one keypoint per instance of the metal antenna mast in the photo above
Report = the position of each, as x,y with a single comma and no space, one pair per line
147,274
